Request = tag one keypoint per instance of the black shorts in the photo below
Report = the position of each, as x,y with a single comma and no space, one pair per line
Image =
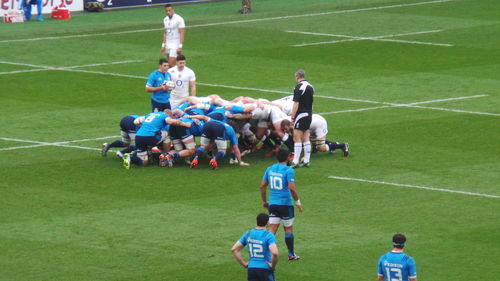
143,142
260,274
127,124
159,106
179,132
283,212
302,121
214,130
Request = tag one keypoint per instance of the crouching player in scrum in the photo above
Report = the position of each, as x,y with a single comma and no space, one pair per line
217,132
148,136
318,132
127,131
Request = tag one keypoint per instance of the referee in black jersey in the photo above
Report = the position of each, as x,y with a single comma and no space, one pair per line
301,119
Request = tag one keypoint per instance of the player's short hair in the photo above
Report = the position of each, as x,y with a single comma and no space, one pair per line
398,240
262,219
282,155
300,73
181,57
285,123
168,6
162,61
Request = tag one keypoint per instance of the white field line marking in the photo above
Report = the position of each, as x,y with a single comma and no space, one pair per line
415,105
23,71
232,22
417,186
288,93
100,64
60,143
46,67
448,99
456,110
373,38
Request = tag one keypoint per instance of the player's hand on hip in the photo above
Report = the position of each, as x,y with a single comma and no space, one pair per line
265,205
162,50
179,51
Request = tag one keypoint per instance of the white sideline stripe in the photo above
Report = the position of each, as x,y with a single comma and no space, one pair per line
47,67
23,71
457,110
449,99
367,38
373,38
60,143
355,110
417,186
100,64
414,105
232,22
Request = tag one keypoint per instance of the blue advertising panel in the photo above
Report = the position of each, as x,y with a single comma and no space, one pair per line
132,3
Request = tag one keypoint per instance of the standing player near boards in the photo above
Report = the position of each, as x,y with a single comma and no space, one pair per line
301,118
156,85
184,79
262,251
173,36
281,181
396,265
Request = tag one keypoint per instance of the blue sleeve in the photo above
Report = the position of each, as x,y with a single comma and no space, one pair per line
231,135
380,270
151,80
187,120
290,175
265,177
412,268
237,109
243,238
271,239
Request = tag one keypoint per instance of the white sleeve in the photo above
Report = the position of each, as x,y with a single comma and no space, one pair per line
181,22
192,77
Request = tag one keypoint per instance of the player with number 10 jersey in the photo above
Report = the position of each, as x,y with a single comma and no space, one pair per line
281,181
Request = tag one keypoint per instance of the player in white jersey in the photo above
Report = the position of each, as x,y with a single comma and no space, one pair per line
184,78
286,104
318,132
173,36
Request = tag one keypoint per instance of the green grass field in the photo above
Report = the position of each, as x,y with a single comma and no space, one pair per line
412,85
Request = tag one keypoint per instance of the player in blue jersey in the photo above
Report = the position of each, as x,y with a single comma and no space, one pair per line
396,265
127,131
281,181
182,139
148,136
262,251
157,86
217,132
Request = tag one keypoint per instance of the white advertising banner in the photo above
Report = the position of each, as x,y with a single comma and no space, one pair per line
10,5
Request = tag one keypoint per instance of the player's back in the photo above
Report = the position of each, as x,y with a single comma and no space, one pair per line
303,94
397,266
257,242
278,176
153,123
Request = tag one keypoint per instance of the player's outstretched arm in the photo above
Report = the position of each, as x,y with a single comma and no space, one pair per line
236,251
